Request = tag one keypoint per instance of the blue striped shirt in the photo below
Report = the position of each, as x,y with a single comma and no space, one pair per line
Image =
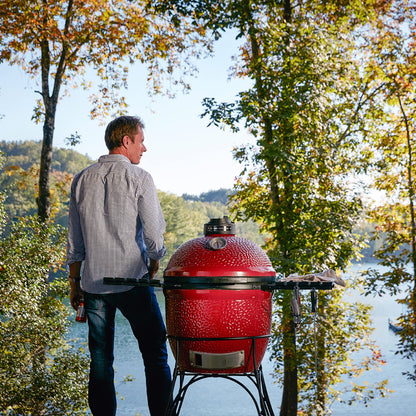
115,221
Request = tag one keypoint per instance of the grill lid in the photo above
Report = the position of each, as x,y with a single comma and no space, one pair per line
219,258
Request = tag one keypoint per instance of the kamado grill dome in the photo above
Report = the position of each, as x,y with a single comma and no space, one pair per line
218,315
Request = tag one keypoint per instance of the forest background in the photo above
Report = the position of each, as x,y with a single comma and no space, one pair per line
185,214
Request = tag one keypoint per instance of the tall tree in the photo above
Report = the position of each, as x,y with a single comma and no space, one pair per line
56,42
309,107
393,66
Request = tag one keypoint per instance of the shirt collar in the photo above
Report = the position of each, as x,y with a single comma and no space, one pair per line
113,158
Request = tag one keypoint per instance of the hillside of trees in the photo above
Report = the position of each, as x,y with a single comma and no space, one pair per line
185,215
25,154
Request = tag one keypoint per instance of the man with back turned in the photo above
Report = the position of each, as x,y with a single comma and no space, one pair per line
116,229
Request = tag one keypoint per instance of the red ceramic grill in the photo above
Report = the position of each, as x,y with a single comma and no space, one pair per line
218,298
218,316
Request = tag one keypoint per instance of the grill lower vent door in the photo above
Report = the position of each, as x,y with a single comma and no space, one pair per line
213,361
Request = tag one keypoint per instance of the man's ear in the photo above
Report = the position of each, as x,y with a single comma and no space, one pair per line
125,140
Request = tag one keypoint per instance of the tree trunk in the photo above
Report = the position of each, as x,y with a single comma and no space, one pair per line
44,200
321,376
289,406
411,194
50,101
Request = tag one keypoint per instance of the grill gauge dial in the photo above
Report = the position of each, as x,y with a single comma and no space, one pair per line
217,243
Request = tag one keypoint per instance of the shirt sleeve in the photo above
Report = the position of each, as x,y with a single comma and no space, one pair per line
152,220
75,250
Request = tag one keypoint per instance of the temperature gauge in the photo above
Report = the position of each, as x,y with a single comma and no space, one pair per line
217,243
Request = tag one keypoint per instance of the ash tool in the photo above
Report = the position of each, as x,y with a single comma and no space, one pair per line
296,307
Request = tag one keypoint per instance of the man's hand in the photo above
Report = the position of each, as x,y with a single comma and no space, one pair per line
76,294
153,267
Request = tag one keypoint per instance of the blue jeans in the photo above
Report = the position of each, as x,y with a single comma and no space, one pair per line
140,307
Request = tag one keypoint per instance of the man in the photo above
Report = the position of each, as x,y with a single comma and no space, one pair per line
116,229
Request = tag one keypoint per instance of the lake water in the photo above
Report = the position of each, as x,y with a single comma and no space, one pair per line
218,397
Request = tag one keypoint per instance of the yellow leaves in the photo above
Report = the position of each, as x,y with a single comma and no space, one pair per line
102,34
24,179
11,170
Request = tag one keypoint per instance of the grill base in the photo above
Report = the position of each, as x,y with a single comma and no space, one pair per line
261,402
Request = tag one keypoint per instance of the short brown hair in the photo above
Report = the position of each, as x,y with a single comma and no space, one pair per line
120,127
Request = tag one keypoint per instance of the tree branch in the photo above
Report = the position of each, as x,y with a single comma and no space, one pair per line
64,54
359,106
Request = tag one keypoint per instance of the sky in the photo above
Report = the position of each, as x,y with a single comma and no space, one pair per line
183,154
